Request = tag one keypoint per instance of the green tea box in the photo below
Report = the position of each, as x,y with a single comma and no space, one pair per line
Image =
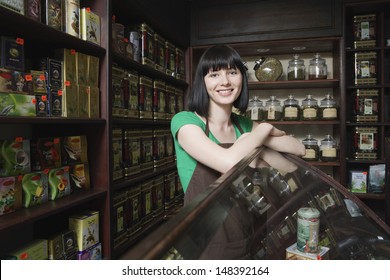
35,250
86,226
69,62
93,102
70,101
83,92
16,104
35,188
15,158
90,26
71,17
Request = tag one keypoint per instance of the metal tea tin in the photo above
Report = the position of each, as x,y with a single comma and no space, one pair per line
132,108
147,45
365,143
117,163
180,65
159,91
159,148
170,101
159,53
308,225
145,97
170,58
132,152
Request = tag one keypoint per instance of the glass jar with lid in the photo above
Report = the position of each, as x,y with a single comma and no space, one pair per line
296,69
328,149
291,109
312,148
328,108
318,70
273,109
309,108
255,109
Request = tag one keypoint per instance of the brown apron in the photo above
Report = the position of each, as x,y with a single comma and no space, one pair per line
231,240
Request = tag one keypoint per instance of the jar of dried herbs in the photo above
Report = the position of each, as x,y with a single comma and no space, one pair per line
291,109
328,149
309,108
328,108
312,148
296,69
273,109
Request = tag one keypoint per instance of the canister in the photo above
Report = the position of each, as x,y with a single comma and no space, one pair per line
273,109
328,149
296,69
255,109
311,147
308,225
147,45
132,108
170,58
159,91
328,108
318,69
291,110
159,53
309,108
365,143
145,97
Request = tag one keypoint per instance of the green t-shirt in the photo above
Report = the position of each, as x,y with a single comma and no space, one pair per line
185,163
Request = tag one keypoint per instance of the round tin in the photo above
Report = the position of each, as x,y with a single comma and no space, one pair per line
308,230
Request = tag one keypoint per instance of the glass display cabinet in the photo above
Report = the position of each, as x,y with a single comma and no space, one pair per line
286,209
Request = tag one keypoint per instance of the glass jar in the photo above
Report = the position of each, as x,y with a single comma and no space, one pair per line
318,69
328,149
255,109
273,109
296,69
328,108
312,148
309,108
291,109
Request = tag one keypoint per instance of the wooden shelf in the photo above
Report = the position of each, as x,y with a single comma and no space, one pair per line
329,83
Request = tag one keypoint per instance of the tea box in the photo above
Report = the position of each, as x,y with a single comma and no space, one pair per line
52,13
35,188
358,181
79,177
93,71
146,150
365,105
54,69
69,60
145,98
71,16
134,217
180,69
159,100
117,154
59,182
159,53
364,30
131,152
62,246
15,158
170,59
74,149
147,45
14,81
118,99
90,26
158,197
16,104
83,93
159,148
146,203
170,101
92,253
292,253
86,227
121,210
34,250
70,101
45,153
12,53
10,195
14,5
132,108
365,68
365,143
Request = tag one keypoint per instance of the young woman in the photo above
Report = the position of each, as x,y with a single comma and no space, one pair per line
209,138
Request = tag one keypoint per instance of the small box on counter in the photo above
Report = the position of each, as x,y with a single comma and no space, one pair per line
10,195
292,253
35,188
86,226
35,250
358,181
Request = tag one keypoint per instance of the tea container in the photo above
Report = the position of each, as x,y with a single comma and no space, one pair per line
256,109
318,69
328,108
309,108
365,143
328,149
291,109
365,107
312,148
296,69
273,109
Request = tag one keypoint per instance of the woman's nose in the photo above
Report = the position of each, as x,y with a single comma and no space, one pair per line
224,79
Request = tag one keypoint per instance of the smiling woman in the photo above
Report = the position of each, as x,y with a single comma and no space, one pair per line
210,139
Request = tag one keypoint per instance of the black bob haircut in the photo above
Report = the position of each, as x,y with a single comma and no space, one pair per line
216,58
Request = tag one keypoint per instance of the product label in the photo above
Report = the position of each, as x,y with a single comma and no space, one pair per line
365,30
368,107
291,112
366,141
329,152
309,113
310,154
329,113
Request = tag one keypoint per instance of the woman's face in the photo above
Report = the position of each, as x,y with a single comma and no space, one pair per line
224,85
